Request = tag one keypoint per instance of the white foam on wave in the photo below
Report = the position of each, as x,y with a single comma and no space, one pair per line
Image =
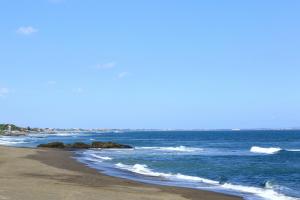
266,193
11,141
271,150
101,157
194,179
170,149
140,169
93,155
144,170
94,160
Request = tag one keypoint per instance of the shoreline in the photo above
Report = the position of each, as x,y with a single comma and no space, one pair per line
28,173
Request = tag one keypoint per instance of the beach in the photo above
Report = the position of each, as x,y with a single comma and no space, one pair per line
34,174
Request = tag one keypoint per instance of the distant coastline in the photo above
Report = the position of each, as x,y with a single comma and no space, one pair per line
18,131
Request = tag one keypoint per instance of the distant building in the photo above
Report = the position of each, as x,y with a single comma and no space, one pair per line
9,129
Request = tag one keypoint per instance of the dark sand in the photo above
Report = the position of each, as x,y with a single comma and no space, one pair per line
45,174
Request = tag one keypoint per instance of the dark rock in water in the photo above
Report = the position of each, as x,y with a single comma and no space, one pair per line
58,145
109,145
79,145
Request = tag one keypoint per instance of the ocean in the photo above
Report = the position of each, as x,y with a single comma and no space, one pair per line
256,164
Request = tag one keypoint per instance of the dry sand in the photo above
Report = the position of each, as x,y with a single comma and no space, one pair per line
44,174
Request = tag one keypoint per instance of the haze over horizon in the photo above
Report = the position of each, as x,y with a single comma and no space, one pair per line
150,64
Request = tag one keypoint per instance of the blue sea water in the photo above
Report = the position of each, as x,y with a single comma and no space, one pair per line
252,164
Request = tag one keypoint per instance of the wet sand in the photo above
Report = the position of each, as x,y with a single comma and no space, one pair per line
47,174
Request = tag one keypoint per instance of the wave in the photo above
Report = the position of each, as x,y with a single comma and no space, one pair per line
11,141
265,193
170,149
280,188
93,156
144,170
101,157
270,150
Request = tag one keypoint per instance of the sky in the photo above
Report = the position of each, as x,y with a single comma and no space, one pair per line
191,64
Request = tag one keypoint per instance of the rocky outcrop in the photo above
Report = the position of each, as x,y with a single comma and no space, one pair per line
109,145
58,145
81,145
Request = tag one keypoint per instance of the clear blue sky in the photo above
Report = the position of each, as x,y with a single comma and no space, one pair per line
150,63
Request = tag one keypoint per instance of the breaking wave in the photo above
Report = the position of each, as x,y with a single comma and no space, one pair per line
265,193
11,141
271,150
144,170
101,157
93,156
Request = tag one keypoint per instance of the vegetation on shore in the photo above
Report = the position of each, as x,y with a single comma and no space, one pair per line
5,127
81,145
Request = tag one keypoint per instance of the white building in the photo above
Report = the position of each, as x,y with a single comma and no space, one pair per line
9,129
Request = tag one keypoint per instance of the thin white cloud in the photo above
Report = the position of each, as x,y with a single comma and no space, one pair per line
108,65
51,82
4,91
122,75
26,30
78,90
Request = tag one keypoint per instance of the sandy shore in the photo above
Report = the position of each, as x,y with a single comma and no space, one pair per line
35,174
